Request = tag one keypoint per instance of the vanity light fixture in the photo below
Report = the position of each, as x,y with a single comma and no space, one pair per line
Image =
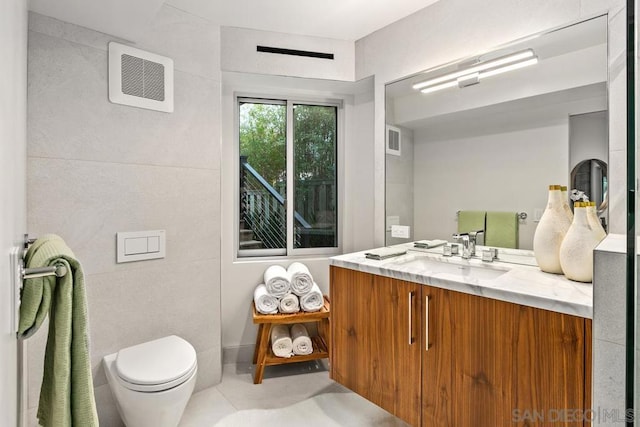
472,75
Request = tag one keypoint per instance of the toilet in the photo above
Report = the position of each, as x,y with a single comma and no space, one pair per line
153,381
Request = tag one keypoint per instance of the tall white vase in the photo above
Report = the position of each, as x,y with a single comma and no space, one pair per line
565,202
576,251
550,232
594,221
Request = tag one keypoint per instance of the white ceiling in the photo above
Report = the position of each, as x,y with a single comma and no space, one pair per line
338,19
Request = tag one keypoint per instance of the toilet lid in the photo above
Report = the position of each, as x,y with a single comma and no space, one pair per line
156,362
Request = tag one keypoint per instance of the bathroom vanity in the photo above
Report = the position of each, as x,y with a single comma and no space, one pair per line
452,342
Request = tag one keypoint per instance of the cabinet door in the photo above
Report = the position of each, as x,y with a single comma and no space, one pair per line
376,340
552,368
492,363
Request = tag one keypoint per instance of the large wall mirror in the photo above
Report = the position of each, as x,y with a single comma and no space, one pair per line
491,132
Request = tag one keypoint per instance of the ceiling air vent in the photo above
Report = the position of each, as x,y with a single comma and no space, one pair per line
393,140
294,52
140,79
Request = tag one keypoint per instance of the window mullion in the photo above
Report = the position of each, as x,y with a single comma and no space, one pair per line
290,180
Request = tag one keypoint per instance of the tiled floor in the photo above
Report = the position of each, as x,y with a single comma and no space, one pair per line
282,386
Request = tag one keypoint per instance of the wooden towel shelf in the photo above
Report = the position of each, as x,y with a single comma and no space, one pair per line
263,354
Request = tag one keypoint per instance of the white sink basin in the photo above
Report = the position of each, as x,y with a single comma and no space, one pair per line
460,268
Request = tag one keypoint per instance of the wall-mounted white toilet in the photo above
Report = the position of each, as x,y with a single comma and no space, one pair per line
153,381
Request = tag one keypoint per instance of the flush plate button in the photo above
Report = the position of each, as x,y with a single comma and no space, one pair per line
140,245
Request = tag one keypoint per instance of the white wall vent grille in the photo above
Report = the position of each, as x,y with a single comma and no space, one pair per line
394,140
139,78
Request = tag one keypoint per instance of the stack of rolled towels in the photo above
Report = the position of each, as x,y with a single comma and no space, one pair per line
288,291
287,342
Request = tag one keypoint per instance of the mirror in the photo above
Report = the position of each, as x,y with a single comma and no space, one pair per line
590,177
491,133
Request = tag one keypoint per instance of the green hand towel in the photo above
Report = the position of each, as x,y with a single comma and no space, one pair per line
502,230
470,221
66,396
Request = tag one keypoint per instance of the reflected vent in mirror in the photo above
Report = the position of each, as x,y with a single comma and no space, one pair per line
393,140
140,79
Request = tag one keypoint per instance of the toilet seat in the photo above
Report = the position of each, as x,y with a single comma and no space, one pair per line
156,365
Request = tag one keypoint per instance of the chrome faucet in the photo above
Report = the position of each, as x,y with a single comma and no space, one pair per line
464,239
468,241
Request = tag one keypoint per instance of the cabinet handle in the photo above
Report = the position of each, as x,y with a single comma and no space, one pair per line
426,323
411,340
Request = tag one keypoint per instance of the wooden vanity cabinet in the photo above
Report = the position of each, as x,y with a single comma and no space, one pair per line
375,326
494,363
479,362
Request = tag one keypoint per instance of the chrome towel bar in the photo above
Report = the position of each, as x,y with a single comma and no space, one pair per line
521,215
19,273
55,270
58,270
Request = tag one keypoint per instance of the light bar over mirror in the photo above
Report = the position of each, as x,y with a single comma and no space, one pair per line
478,70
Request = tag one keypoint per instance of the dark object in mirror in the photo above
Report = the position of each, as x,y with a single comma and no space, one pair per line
590,176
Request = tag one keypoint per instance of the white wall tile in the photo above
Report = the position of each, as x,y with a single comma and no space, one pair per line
191,41
618,115
209,368
358,231
617,40
70,32
107,411
71,116
176,299
609,295
96,168
87,203
13,142
618,198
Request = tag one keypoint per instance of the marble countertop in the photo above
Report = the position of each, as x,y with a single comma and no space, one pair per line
519,284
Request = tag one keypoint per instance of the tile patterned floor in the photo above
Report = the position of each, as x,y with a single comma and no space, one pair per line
282,386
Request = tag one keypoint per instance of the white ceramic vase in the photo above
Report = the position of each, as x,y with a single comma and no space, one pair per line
594,221
550,232
576,251
565,203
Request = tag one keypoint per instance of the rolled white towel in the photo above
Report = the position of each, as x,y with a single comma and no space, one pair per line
301,342
277,281
265,303
312,301
289,304
301,278
281,342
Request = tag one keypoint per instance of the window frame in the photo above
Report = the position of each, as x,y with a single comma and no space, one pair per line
290,250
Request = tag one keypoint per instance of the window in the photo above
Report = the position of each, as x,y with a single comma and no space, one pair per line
288,151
